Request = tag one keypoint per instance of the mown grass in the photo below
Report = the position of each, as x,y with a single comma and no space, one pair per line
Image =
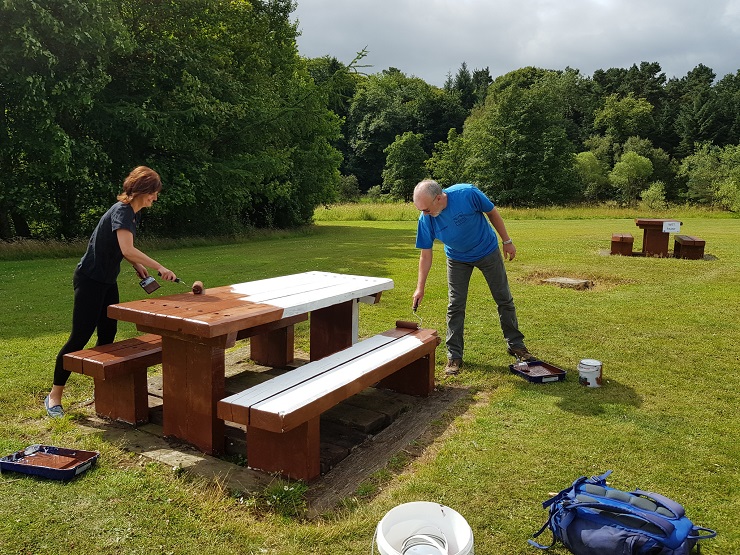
666,420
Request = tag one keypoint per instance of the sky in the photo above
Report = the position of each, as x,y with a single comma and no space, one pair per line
432,38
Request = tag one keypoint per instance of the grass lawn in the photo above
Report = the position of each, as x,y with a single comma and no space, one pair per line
666,330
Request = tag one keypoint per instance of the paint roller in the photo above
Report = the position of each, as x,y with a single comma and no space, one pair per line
196,288
408,324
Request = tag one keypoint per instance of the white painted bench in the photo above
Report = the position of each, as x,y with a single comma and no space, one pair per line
282,414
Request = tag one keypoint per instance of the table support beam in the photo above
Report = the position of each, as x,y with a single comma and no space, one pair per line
192,393
333,328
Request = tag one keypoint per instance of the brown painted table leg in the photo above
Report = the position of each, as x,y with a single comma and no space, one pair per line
332,329
273,348
655,242
193,381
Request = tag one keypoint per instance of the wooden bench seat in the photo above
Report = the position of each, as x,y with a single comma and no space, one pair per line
282,414
119,374
687,246
622,244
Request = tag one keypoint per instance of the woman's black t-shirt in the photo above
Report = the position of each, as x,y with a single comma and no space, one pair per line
102,259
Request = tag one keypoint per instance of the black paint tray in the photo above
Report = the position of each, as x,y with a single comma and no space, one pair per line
539,371
57,463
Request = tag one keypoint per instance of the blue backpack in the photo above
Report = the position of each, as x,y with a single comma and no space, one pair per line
590,518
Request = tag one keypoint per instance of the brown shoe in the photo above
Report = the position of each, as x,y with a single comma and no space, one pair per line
453,366
522,353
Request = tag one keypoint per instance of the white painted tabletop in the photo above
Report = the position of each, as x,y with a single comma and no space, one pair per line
308,291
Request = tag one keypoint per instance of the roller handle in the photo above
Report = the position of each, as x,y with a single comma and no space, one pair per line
176,280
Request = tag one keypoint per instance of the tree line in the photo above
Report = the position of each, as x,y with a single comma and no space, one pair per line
245,133
537,137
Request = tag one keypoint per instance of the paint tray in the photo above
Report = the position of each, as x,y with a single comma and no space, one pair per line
539,371
56,463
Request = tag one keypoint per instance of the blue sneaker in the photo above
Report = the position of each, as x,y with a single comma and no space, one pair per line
54,412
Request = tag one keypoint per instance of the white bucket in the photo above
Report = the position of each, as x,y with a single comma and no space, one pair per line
589,372
433,524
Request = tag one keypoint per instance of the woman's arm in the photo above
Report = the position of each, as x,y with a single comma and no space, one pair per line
140,260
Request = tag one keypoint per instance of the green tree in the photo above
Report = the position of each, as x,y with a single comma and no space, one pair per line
219,102
390,104
448,160
516,145
664,167
349,189
713,175
210,93
339,82
481,81
728,107
464,85
697,119
653,198
593,175
630,176
54,64
404,165
621,118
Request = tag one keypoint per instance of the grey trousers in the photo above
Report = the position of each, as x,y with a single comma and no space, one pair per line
458,282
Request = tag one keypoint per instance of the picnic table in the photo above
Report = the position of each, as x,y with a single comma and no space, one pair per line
196,330
655,239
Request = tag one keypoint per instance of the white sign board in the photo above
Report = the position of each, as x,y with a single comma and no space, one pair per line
671,227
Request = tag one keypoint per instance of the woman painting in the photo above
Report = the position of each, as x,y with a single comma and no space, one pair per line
95,278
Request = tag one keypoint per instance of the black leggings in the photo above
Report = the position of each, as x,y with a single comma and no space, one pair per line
90,311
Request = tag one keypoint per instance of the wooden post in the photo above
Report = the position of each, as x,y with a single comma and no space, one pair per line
295,453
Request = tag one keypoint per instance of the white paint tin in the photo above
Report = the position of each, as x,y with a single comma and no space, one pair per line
589,372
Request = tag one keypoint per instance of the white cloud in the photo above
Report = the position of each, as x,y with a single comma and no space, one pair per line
429,38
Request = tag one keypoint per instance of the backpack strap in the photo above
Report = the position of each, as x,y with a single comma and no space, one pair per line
664,525
666,502
549,524
697,533
599,480
569,492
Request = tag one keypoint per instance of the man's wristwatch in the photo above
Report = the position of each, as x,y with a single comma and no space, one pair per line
509,242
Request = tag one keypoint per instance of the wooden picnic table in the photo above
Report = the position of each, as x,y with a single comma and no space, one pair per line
654,239
196,330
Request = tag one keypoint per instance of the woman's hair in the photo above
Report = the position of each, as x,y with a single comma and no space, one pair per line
141,181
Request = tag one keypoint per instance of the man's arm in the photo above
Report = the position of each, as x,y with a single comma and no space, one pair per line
425,264
498,224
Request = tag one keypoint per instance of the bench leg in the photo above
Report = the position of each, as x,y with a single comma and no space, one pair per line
416,378
123,398
273,348
295,454
623,248
690,252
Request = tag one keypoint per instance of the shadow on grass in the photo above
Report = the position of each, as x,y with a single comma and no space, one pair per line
592,401
576,398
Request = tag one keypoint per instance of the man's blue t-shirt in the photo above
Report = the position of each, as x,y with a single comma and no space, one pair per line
462,226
